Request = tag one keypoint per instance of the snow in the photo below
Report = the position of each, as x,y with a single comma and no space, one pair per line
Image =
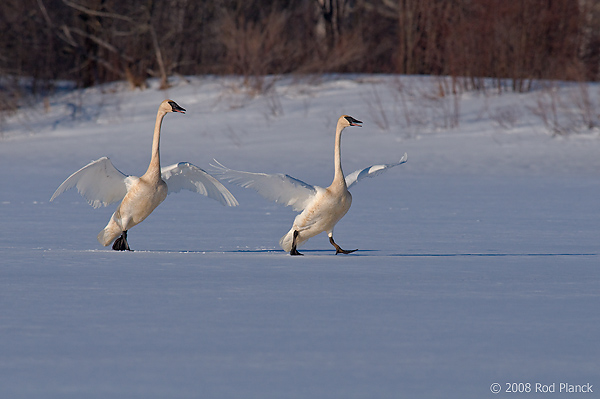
477,262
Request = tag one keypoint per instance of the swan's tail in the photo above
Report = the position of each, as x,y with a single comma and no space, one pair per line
286,241
110,233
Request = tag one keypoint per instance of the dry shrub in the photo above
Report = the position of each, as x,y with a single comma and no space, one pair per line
97,41
585,106
507,117
566,110
533,39
256,48
345,54
376,108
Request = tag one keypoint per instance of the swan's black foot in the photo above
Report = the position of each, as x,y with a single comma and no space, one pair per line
294,251
338,249
121,243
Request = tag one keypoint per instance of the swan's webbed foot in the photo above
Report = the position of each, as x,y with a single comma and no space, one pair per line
121,243
294,251
338,249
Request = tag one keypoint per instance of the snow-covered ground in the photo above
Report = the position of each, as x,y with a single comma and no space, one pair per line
478,260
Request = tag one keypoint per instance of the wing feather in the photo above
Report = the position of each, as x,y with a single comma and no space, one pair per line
280,188
185,175
99,182
371,171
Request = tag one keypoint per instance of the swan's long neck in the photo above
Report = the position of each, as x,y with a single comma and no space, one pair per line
154,167
337,157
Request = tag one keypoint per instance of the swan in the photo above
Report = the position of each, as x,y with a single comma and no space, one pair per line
102,184
321,208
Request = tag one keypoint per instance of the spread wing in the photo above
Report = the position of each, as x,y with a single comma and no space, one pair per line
371,171
186,176
99,182
280,188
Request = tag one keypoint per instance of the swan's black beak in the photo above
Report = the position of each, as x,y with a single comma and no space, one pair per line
352,121
176,108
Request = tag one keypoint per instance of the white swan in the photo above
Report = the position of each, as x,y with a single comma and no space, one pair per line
102,184
321,207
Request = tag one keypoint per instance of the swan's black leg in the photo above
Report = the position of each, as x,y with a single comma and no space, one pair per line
294,251
121,243
338,249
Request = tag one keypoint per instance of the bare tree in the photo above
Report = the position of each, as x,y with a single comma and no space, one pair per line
95,41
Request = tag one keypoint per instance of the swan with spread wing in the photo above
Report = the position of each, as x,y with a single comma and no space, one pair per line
321,208
102,184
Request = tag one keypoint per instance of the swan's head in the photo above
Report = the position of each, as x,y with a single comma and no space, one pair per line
171,106
347,120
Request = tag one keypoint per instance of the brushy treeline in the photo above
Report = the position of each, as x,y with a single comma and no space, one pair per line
96,41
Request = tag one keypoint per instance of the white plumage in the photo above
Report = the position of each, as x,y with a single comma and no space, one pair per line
101,184
321,208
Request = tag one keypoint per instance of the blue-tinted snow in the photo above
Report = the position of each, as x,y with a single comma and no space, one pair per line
478,260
